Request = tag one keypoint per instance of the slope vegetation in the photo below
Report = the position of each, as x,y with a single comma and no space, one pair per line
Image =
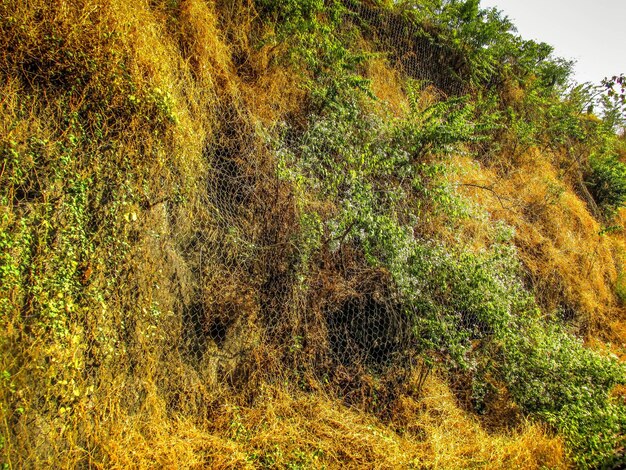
304,234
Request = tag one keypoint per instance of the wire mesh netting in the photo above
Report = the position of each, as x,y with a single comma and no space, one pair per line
411,48
193,281
250,308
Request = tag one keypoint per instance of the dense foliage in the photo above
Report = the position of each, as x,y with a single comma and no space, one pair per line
162,233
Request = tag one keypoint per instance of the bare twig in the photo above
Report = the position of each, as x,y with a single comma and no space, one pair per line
490,189
343,235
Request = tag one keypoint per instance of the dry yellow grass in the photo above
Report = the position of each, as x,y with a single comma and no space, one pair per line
387,86
573,265
286,428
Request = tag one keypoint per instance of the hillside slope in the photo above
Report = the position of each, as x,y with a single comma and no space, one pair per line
304,234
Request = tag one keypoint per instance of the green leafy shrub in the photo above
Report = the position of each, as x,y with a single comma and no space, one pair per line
606,180
320,44
459,298
376,172
486,39
553,376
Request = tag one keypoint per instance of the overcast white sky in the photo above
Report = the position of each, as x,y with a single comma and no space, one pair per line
592,32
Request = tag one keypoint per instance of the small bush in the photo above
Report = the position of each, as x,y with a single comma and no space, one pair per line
606,180
551,375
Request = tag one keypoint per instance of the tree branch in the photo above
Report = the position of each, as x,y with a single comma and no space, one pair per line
490,189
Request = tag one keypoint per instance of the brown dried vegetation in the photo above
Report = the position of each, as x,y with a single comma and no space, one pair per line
174,355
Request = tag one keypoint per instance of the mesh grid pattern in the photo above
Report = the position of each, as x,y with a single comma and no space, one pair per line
247,301
209,293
